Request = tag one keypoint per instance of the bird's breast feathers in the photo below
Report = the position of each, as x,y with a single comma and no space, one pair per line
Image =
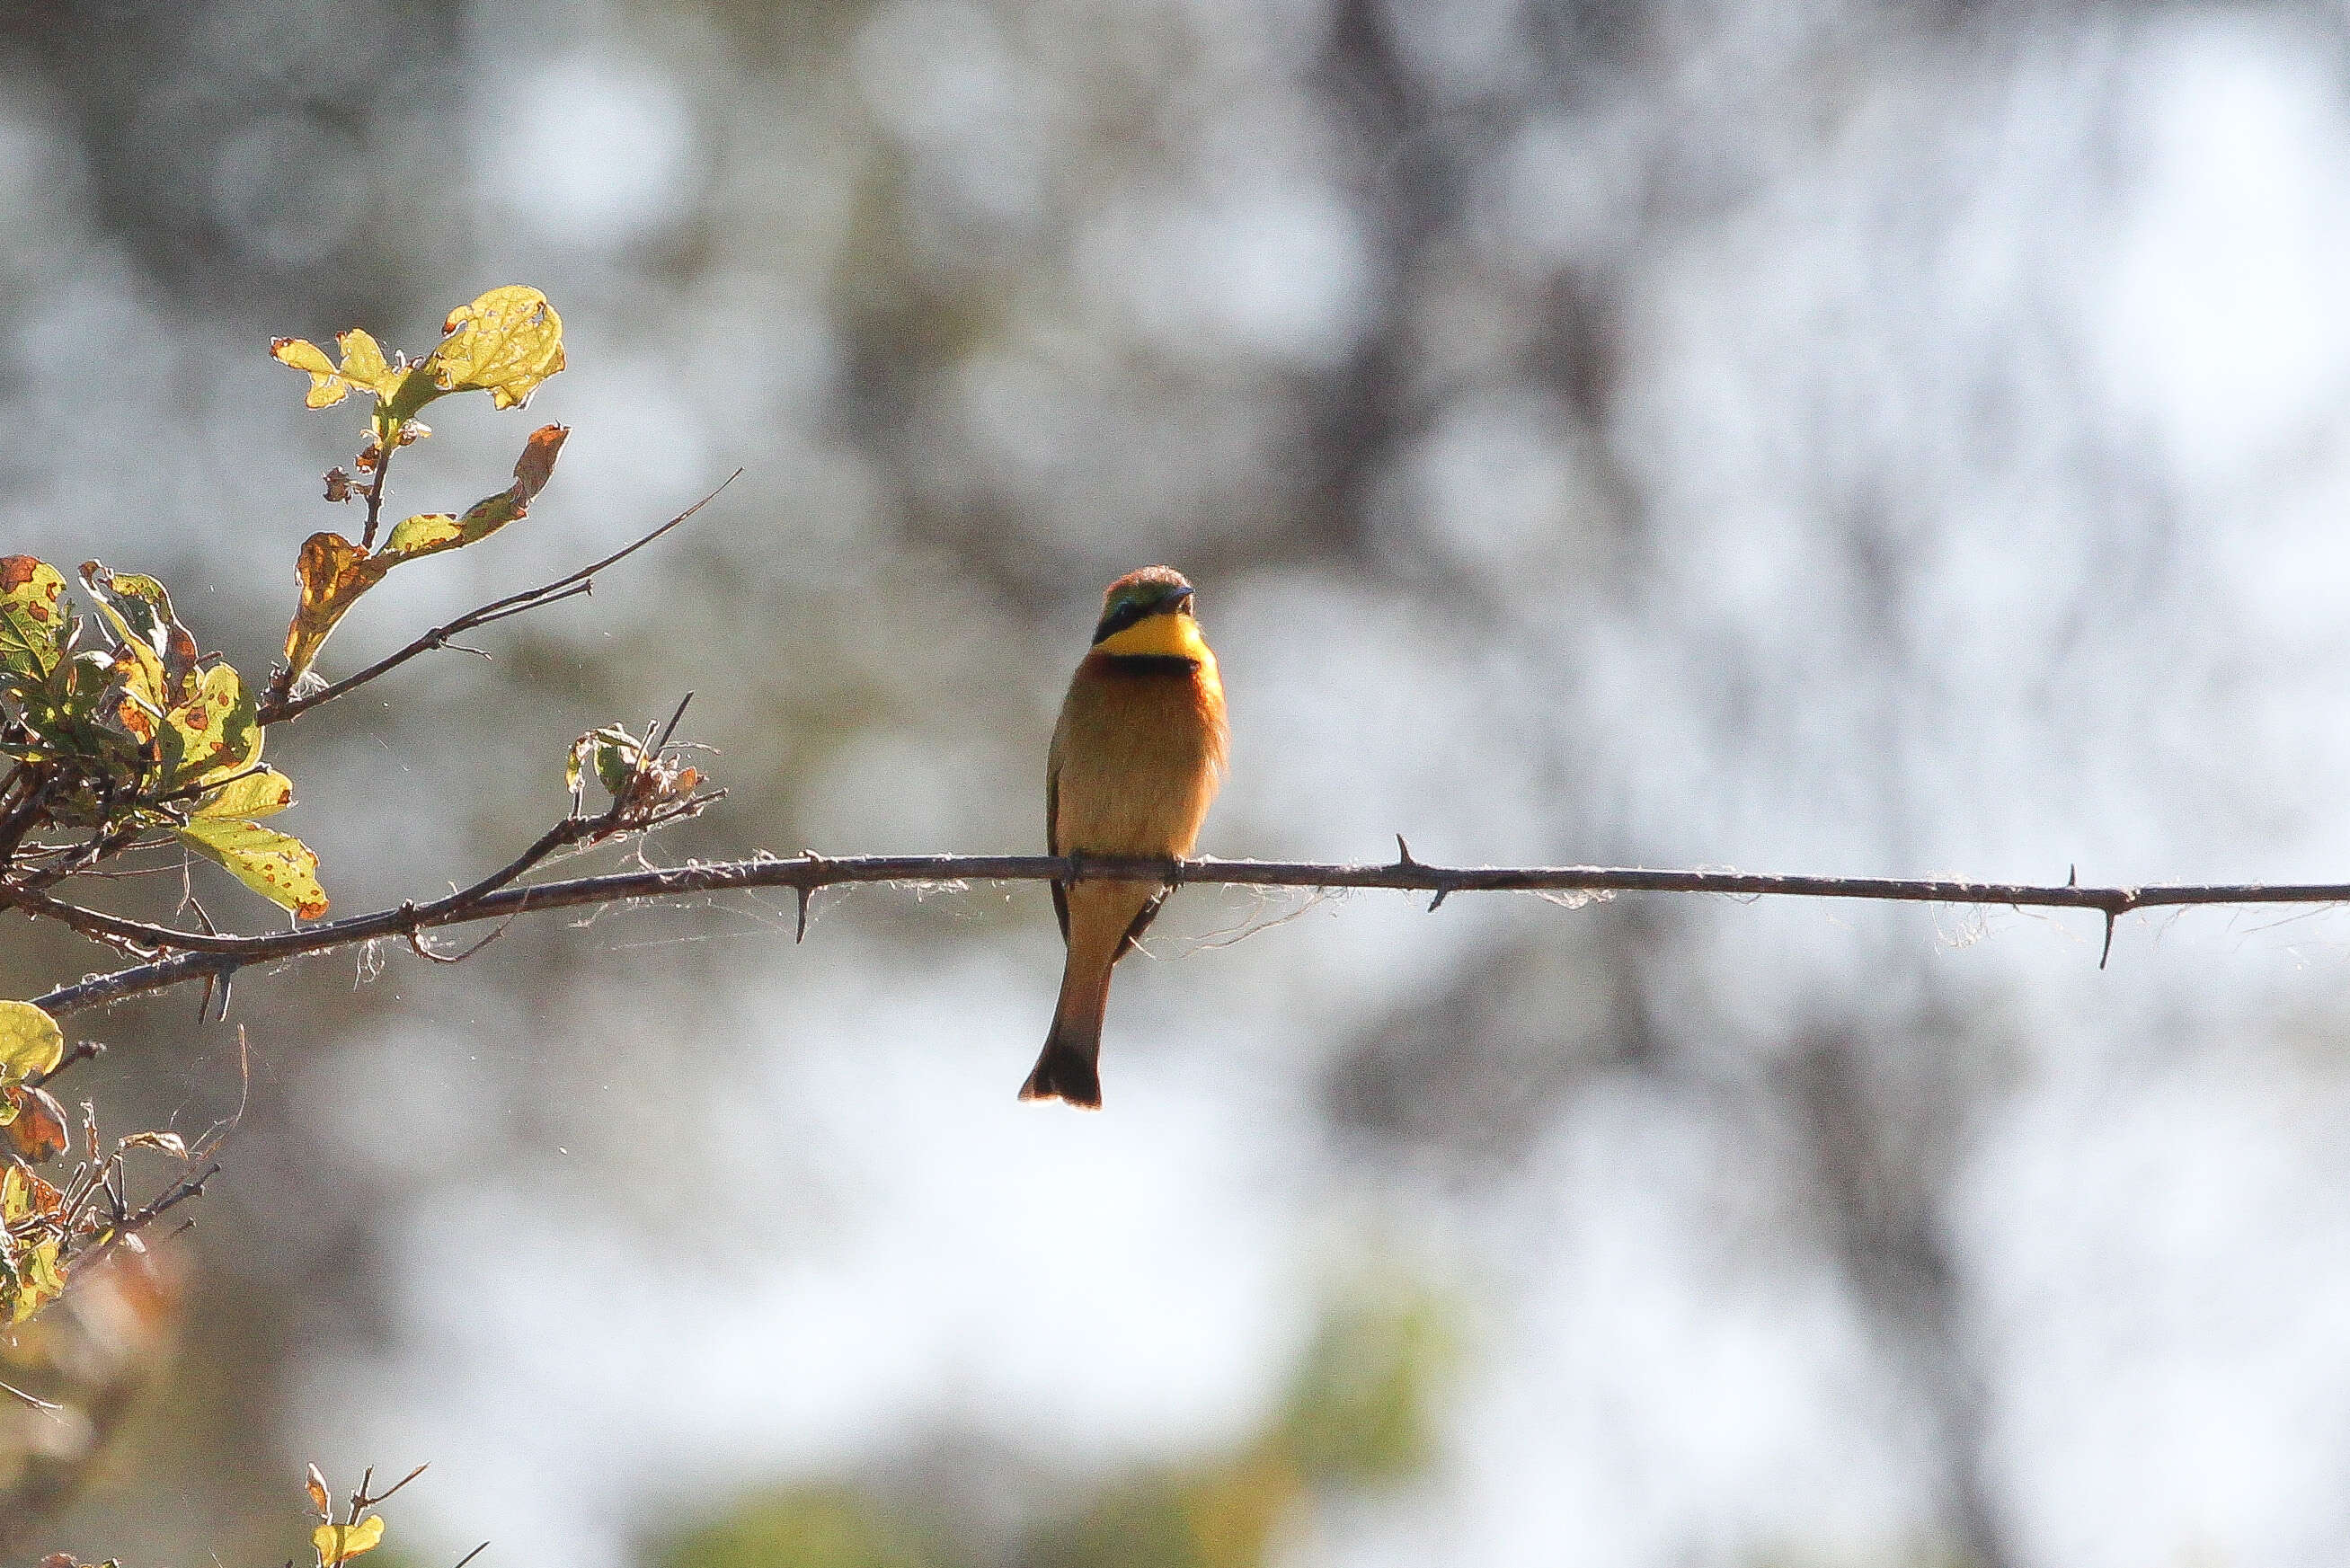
1139,749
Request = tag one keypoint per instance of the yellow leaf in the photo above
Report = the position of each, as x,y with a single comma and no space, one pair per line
264,791
137,610
334,573
437,531
30,1041
277,866
33,617
39,1281
363,368
340,1542
505,343
140,675
327,387
25,1196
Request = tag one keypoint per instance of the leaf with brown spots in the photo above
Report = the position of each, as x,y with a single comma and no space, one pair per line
33,619
334,573
277,866
36,1123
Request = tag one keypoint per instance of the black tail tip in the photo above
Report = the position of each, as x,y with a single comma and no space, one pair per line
1063,1073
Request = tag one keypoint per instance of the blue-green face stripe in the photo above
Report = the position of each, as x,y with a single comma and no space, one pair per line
1130,610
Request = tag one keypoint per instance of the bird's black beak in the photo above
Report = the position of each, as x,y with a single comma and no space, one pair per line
1181,599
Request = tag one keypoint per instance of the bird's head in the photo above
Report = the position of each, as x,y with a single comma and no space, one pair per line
1148,612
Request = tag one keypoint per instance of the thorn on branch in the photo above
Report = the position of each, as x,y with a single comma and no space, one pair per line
1403,852
2111,916
670,729
416,940
815,863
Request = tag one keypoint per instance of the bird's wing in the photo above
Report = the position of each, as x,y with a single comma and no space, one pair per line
1142,918
1053,841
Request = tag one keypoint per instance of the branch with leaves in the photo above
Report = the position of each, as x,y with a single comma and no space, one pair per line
118,734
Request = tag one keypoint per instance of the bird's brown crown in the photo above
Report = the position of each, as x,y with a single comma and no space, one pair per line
1139,596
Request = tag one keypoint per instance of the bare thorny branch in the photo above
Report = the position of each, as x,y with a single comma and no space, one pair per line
183,956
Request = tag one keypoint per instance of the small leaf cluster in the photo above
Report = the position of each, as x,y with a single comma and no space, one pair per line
648,785
119,732
505,343
47,1226
360,1527
119,727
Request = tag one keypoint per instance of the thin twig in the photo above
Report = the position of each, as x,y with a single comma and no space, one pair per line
375,491
47,1407
199,956
279,707
79,1050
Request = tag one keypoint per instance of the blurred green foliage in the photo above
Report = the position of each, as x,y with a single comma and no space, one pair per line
1359,1413
807,1527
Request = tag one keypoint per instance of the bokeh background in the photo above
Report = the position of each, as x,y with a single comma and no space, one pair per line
1809,436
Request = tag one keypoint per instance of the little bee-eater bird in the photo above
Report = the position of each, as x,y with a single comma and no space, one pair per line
1136,757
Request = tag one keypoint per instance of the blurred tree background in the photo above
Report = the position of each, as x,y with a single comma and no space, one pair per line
1822,436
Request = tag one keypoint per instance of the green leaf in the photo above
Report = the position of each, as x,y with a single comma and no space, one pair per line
610,752
139,611
277,866
30,1042
26,646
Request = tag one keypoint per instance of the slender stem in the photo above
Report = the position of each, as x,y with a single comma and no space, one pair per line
375,492
278,706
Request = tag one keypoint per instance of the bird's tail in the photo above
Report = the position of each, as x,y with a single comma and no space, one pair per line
1068,1069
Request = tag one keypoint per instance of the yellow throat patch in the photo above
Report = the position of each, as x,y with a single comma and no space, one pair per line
1165,636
